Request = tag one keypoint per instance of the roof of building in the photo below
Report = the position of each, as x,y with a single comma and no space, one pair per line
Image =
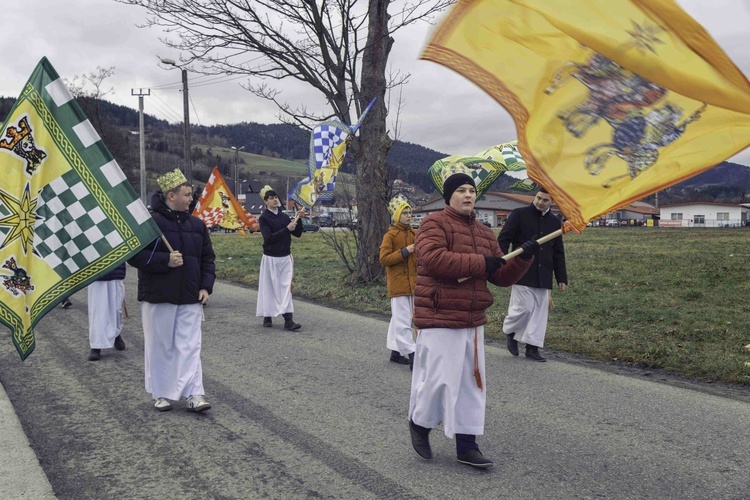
704,203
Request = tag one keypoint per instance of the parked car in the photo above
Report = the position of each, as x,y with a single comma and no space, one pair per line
612,223
486,223
309,226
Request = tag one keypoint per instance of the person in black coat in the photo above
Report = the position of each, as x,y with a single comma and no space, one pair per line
106,298
529,297
277,264
173,285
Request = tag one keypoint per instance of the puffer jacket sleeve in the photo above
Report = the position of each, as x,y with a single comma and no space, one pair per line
441,263
208,260
153,259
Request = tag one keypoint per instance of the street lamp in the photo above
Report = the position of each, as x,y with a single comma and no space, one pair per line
186,123
236,161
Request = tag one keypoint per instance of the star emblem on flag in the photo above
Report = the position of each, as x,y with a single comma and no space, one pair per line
21,219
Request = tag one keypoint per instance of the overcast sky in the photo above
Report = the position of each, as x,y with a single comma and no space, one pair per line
443,110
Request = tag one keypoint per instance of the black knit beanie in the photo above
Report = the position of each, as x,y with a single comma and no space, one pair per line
454,182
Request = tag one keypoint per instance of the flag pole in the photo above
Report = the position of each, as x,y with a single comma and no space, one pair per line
169,247
518,251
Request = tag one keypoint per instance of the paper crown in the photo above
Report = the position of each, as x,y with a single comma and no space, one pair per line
171,180
264,190
397,205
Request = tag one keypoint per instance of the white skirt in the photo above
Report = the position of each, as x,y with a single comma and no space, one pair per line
400,333
105,312
275,286
172,350
443,386
527,314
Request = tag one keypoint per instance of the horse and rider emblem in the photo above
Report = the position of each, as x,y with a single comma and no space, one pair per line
19,140
642,120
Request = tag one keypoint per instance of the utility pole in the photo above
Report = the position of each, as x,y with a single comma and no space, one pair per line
236,162
186,112
141,139
186,130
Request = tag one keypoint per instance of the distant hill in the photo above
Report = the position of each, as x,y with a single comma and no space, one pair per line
118,125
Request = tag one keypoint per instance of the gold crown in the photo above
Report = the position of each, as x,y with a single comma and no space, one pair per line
264,190
171,180
397,205
454,168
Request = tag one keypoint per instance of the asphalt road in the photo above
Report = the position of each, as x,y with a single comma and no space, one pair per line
321,413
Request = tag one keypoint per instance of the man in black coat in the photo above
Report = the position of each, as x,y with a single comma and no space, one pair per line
529,297
173,285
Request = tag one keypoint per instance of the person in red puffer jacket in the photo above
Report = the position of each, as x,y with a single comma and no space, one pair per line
456,256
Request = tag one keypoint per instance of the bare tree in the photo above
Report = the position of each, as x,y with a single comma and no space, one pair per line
89,91
338,47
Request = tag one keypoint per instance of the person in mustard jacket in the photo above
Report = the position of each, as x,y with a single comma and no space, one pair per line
397,255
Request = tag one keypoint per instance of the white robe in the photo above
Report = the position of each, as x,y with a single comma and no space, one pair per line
172,350
400,334
275,286
105,312
443,386
527,314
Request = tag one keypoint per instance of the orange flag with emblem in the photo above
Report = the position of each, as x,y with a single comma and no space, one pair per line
217,206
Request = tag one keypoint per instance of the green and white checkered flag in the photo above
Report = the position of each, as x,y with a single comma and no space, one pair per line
67,212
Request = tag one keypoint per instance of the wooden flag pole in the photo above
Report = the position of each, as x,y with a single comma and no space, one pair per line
169,247
518,251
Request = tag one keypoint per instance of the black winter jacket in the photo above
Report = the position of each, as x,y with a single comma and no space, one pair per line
157,282
277,239
117,273
526,223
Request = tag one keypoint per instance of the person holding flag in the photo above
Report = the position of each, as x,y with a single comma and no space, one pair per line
397,255
277,264
456,256
530,296
175,278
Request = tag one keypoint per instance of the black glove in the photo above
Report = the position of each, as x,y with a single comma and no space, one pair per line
493,264
529,249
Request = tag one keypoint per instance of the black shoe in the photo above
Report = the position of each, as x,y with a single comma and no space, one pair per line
291,325
119,343
532,352
66,303
475,459
420,443
512,344
396,357
267,321
95,355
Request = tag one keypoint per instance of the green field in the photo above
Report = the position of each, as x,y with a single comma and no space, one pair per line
671,299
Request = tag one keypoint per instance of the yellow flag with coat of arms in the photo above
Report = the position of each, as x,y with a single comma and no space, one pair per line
612,100
68,215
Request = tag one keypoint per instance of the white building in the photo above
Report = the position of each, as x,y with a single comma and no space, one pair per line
703,214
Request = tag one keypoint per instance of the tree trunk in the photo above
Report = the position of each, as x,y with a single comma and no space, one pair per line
373,146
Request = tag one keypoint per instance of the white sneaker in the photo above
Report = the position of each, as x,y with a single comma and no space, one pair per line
197,403
162,404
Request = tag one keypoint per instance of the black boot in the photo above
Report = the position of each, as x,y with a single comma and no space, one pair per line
267,321
289,323
420,440
411,361
512,344
396,357
532,352
119,343
95,355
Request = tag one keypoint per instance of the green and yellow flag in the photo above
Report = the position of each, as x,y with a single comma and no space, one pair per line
612,100
67,212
